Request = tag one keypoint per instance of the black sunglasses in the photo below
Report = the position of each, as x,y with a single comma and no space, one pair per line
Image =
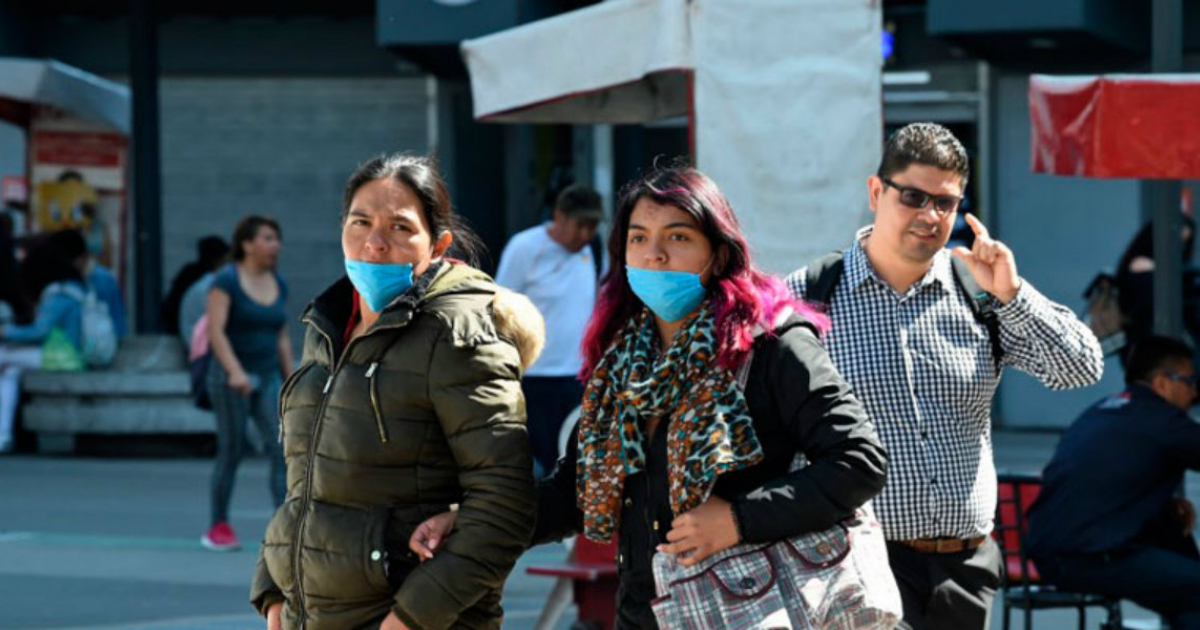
1190,381
919,199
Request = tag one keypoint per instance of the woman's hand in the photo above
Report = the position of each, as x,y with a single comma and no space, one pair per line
701,532
275,617
429,535
240,382
392,622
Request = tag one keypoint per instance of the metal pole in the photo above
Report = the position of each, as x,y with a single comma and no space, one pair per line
1167,56
143,49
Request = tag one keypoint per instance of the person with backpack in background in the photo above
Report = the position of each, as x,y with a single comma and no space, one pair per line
104,319
922,336
58,321
1134,286
191,323
184,304
558,265
252,355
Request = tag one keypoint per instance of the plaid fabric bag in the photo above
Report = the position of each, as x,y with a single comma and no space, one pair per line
837,579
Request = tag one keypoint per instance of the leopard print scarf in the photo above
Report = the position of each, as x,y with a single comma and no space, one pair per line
709,427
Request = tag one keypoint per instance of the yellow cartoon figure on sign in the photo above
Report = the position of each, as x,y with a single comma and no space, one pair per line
69,202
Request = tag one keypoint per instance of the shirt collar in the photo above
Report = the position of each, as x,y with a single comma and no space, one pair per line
859,269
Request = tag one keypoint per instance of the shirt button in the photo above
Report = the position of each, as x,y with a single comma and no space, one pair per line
376,555
621,558
656,525
628,502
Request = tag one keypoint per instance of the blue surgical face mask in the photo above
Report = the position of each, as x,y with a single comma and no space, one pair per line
672,295
379,283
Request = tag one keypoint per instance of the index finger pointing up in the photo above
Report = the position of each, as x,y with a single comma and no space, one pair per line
976,225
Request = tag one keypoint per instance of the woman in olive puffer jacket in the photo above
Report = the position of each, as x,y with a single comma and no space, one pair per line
407,403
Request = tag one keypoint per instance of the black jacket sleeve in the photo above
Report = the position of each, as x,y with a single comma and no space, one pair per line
847,463
558,514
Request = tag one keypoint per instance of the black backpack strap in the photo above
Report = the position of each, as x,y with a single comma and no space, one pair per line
982,306
597,251
821,278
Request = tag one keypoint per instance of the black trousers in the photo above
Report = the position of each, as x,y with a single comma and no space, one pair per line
1159,571
946,591
548,401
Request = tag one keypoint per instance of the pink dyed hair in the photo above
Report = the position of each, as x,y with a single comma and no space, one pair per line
742,295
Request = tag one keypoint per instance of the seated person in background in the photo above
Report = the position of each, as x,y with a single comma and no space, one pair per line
96,277
1108,520
46,272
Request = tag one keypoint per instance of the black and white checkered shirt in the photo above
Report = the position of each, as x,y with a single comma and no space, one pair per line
922,366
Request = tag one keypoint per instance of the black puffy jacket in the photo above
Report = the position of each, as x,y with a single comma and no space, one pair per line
422,411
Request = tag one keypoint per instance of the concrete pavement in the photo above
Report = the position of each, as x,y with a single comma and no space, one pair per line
113,544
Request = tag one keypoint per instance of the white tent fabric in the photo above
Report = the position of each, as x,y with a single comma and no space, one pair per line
786,95
49,82
789,118
620,61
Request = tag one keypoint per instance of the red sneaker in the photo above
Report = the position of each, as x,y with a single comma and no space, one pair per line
220,537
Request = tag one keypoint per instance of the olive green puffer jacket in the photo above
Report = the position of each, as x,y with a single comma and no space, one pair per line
422,411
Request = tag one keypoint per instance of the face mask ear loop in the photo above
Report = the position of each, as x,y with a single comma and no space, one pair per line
711,259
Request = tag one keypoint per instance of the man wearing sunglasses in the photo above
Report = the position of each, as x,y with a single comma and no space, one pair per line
923,338
1109,519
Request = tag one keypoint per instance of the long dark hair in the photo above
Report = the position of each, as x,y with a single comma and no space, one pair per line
44,264
1142,246
743,296
10,280
420,174
247,230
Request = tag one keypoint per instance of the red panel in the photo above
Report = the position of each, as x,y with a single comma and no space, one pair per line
1136,126
1006,520
588,552
73,148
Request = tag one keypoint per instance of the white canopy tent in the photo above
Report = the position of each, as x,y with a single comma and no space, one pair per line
783,97
78,93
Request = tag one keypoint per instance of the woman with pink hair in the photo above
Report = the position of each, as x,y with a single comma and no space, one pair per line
704,381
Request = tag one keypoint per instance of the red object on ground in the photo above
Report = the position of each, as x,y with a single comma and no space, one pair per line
592,567
1136,126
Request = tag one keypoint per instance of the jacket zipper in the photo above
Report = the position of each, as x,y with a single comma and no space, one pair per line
314,439
283,392
373,386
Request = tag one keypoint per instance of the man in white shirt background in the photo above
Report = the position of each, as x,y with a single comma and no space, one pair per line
558,265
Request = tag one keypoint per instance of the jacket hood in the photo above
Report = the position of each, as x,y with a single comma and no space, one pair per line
519,321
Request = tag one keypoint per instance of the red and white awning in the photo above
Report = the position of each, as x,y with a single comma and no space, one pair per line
1139,126
620,61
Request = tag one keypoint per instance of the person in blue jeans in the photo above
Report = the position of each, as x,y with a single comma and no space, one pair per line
1109,519
49,274
252,355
